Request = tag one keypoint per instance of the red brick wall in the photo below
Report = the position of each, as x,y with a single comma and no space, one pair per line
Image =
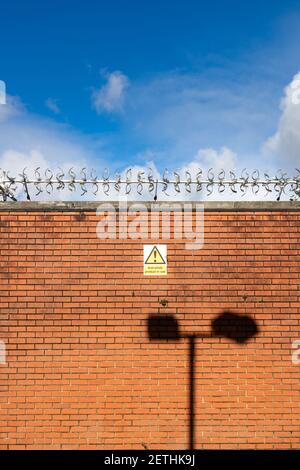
81,371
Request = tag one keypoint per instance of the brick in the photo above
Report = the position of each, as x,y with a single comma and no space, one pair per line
81,372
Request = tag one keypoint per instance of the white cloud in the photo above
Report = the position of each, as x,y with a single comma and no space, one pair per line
52,105
11,109
109,98
284,145
31,141
15,162
224,159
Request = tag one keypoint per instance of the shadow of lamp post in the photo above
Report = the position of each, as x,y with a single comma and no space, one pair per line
238,328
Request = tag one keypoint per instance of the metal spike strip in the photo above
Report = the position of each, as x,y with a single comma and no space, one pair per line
208,183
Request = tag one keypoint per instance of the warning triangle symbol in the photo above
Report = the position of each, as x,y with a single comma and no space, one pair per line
155,257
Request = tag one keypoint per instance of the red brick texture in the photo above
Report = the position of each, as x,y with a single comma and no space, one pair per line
81,371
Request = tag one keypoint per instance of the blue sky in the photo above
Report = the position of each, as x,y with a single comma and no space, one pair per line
130,82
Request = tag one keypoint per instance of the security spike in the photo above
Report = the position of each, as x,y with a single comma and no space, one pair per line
140,182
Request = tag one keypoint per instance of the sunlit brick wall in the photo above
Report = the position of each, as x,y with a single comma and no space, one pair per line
80,370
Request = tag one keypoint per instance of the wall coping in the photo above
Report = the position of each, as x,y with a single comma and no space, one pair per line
74,206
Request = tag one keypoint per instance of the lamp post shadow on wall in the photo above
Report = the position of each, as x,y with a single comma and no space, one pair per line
238,328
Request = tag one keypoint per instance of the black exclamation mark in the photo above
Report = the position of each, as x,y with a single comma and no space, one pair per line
154,256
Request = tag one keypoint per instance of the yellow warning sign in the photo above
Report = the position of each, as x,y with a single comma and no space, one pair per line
155,260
